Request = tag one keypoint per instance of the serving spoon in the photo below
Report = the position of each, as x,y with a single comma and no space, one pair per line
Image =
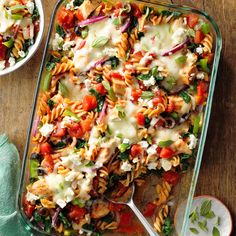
127,199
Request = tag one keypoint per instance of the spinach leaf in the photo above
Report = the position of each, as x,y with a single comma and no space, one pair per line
60,31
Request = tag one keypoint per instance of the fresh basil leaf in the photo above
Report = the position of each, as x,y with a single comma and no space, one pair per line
100,42
166,143
194,230
147,95
185,96
215,232
63,89
143,77
114,62
205,207
60,31
77,3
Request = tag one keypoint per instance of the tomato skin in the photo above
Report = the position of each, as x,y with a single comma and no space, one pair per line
171,177
136,11
136,94
166,153
209,57
75,130
116,75
29,209
149,209
192,20
115,207
59,132
100,88
170,107
48,163
140,119
199,36
157,100
135,150
79,15
76,212
201,96
125,219
65,17
45,148
89,102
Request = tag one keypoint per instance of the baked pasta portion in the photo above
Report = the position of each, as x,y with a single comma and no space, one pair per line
19,26
122,98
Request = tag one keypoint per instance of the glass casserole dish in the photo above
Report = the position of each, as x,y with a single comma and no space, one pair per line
173,157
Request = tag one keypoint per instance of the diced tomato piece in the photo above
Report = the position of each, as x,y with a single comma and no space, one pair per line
45,148
170,107
136,93
75,130
140,118
59,132
36,27
79,15
157,100
136,150
116,75
192,20
166,152
171,177
3,50
118,5
202,88
100,88
209,57
29,209
48,163
199,36
158,150
86,125
76,212
115,206
125,218
65,17
149,209
89,102
136,11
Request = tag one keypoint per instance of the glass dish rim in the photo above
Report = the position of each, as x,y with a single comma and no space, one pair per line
196,169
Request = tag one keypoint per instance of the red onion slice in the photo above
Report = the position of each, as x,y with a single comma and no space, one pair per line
103,113
35,126
125,27
91,20
175,49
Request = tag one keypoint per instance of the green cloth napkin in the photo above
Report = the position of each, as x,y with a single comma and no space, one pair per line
10,224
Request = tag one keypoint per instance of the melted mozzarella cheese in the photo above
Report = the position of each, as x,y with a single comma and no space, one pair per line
87,56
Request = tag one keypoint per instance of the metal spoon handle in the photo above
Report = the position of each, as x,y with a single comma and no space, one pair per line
142,219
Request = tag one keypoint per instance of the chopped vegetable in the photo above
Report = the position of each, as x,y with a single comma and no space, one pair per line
109,90
47,81
147,95
9,43
181,60
70,113
185,96
196,125
166,143
34,164
123,147
100,42
205,28
63,89
60,31
215,232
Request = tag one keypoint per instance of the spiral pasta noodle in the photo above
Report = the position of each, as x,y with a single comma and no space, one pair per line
160,218
18,45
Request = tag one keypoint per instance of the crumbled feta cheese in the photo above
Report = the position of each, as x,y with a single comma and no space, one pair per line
126,140
152,165
30,7
69,194
150,104
153,121
143,144
193,141
185,21
191,58
199,50
30,197
200,75
68,45
179,36
152,150
135,160
2,65
70,5
110,52
21,53
57,42
149,82
12,61
147,57
126,166
46,129
61,203
71,176
165,164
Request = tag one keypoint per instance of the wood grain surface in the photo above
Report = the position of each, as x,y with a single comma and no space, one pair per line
218,171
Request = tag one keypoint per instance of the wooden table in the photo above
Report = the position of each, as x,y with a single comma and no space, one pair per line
218,171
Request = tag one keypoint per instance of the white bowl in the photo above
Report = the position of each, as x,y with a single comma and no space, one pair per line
34,47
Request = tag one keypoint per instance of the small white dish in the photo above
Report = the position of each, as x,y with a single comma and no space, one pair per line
225,226
34,47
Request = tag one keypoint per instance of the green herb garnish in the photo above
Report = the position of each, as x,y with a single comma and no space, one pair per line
147,95
80,143
60,31
205,207
78,202
166,143
194,230
185,96
215,231
167,228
